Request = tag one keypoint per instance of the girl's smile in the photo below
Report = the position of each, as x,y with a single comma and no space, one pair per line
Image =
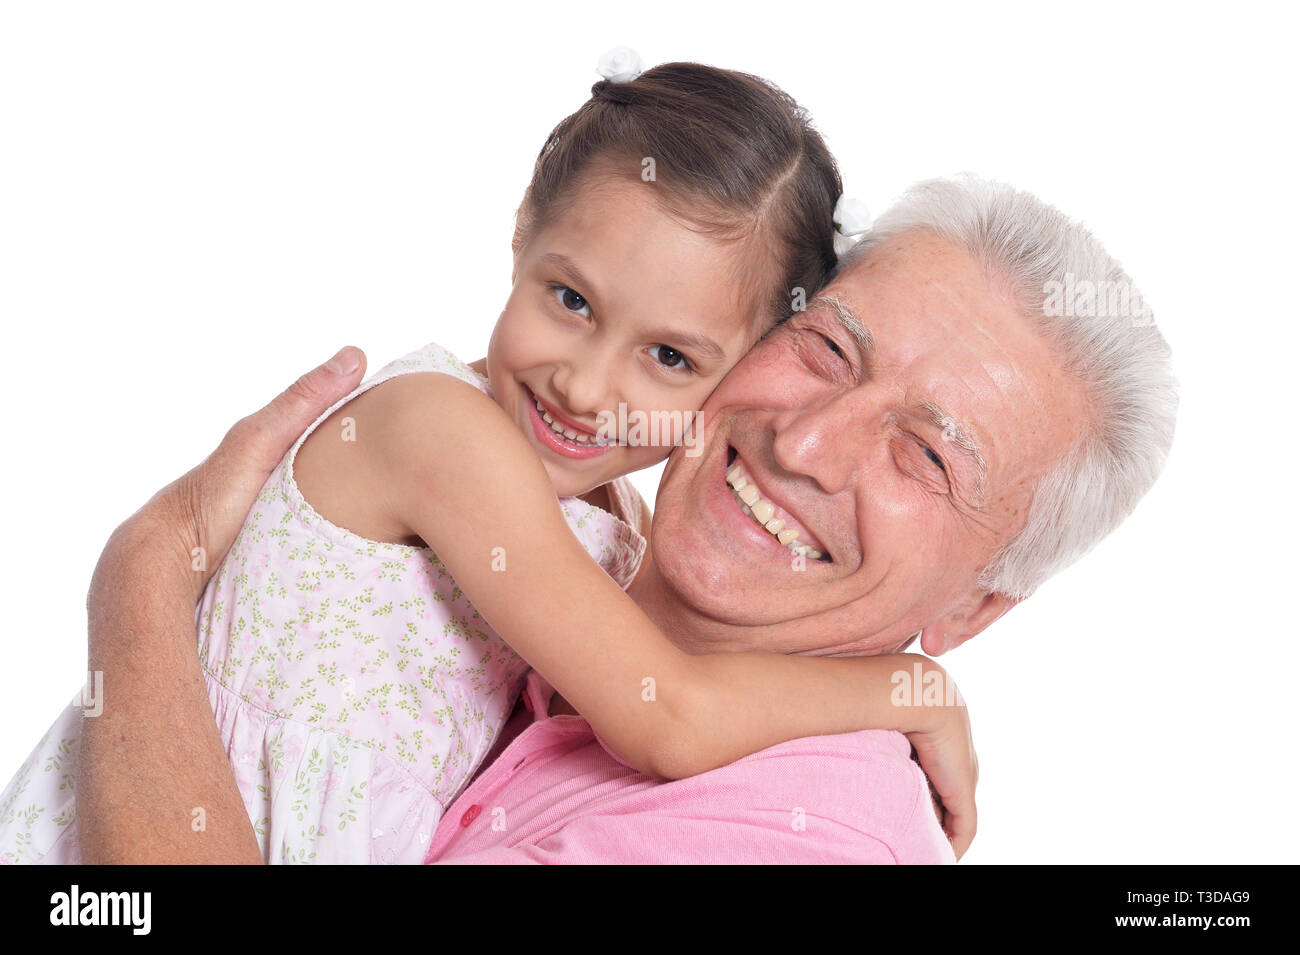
560,434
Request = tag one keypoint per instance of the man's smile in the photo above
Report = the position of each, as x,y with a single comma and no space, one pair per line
779,525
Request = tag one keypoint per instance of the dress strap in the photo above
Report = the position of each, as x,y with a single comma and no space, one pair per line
431,357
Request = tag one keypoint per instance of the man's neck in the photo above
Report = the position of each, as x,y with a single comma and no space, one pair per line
670,614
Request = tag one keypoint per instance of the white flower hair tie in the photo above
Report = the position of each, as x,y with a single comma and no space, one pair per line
851,220
619,65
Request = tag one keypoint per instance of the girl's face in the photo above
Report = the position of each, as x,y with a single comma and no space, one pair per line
616,302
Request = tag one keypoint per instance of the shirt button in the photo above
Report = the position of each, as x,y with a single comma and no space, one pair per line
470,815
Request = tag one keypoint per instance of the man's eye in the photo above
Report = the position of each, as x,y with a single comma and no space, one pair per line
571,300
830,342
935,458
669,357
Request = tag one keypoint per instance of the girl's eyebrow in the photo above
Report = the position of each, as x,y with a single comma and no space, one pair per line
571,271
701,344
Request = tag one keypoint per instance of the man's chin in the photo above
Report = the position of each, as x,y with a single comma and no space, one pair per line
710,583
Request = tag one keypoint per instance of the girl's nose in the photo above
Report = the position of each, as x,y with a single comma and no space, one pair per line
582,387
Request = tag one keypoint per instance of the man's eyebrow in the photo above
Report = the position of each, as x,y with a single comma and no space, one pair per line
702,345
852,324
960,437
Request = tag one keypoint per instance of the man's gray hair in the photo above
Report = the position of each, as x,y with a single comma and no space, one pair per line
1090,310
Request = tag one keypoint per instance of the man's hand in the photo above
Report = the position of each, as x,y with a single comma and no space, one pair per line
154,756
206,507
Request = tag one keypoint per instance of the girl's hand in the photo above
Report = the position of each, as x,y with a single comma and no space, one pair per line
947,754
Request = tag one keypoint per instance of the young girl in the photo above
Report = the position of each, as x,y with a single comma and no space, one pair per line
669,223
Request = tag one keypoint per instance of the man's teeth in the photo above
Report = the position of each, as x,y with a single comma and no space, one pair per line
576,436
763,511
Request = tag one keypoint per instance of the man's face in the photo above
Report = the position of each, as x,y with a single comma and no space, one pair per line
905,456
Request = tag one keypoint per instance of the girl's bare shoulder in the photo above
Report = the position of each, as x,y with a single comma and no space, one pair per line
348,467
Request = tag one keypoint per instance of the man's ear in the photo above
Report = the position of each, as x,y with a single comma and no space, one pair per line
955,628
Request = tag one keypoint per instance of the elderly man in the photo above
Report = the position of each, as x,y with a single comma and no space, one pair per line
952,433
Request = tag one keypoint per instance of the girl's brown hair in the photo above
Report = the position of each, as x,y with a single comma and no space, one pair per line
732,154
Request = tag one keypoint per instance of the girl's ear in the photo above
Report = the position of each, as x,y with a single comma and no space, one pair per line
955,628
517,244
523,223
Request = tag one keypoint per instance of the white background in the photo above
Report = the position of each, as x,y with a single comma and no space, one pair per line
200,201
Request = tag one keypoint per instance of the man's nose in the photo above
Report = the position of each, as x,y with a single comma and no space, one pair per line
829,441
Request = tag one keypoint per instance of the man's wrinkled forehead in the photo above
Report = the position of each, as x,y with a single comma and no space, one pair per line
919,300
913,308
961,350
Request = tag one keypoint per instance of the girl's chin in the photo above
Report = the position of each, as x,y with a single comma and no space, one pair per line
568,484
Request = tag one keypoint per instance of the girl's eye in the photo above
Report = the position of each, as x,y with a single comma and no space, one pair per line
571,300
670,357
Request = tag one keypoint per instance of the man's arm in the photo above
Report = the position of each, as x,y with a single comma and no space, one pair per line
154,756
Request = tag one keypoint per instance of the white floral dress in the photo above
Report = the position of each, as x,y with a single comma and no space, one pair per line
355,687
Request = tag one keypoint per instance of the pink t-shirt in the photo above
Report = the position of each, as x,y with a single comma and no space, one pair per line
555,794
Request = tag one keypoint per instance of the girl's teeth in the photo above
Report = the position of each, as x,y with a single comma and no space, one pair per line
763,511
568,433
